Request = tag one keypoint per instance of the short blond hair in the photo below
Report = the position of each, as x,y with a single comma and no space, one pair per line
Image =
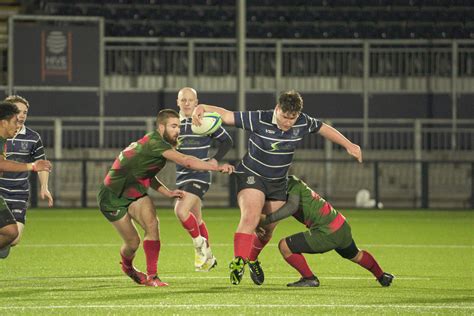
17,99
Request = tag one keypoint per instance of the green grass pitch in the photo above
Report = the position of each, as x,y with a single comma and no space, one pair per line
68,263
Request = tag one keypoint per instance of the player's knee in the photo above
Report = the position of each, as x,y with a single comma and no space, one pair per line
357,257
181,214
351,252
283,247
16,241
250,220
11,233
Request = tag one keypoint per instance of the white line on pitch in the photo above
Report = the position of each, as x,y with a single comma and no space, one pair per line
230,245
217,306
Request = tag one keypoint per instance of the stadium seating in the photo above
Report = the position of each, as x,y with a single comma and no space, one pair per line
276,19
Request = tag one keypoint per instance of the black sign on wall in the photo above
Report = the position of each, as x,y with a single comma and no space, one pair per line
66,55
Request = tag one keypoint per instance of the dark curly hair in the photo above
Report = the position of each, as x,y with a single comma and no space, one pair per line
290,101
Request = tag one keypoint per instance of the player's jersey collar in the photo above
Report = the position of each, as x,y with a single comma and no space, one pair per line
182,116
22,130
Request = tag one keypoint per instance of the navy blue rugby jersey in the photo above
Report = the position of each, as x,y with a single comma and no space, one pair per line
270,150
197,146
25,147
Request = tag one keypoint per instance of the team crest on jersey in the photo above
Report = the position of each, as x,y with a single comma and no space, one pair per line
24,146
251,180
269,131
295,132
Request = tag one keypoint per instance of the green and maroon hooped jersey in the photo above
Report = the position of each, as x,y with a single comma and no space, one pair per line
313,210
3,147
136,165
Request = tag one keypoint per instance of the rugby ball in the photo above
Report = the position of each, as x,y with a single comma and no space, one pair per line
210,122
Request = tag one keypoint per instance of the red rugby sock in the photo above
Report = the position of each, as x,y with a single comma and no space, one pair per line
298,262
368,261
242,245
126,262
191,225
152,252
257,247
203,231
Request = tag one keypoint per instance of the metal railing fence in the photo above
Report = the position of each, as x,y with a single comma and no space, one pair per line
396,184
385,134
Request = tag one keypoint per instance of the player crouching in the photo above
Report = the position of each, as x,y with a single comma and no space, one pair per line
328,230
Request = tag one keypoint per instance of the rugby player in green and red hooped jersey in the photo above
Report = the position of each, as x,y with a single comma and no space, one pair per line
123,194
8,127
328,230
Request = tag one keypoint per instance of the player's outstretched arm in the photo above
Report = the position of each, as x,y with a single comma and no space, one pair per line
191,162
13,166
335,136
226,115
288,209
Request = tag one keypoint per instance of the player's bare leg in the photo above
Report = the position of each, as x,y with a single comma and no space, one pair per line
131,241
143,211
21,228
8,233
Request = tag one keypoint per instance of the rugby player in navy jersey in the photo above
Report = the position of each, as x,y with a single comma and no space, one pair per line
188,209
9,124
25,146
261,174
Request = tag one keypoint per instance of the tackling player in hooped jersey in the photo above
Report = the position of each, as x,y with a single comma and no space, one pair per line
328,230
123,194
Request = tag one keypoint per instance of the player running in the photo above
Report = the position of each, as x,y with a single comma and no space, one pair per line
261,175
188,209
328,230
123,194
8,128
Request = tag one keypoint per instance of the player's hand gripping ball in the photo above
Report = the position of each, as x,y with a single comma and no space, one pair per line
210,122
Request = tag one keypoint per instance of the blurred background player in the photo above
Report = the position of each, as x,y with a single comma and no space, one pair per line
25,146
188,209
9,230
261,175
123,194
328,230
